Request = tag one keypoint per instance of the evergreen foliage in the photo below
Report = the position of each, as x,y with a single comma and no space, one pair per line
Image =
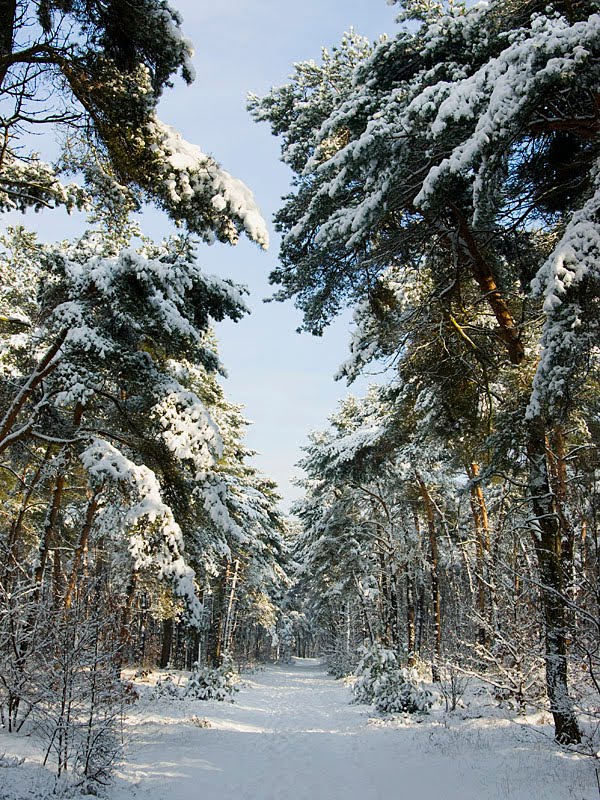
208,683
204,683
445,185
132,517
392,688
105,67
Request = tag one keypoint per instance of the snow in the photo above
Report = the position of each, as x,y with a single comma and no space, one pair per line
561,281
466,118
498,92
172,21
292,733
44,190
188,430
103,462
185,171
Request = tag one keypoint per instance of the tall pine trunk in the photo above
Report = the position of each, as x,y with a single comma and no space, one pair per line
436,599
166,643
217,624
557,464
482,546
547,541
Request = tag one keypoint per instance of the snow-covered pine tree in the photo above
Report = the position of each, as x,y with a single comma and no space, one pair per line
461,157
238,551
377,536
117,477
98,70
110,316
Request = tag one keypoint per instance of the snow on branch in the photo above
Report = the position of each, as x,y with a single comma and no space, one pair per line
214,493
187,428
155,539
497,94
170,20
568,281
34,184
198,188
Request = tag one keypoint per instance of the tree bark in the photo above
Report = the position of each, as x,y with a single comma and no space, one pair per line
547,542
167,643
50,538
435,583
50,527
557,462
82,546
127,606
228,635
483,274
482,546
8,9
410,619
215,635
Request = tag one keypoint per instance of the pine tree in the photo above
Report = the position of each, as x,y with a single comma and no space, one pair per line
124,472
455,165
105,66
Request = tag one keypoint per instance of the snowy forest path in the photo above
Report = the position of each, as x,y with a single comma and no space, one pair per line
293,735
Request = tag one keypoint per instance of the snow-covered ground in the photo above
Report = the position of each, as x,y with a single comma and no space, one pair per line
292,735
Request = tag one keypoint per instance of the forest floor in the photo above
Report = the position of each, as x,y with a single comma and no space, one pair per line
292,734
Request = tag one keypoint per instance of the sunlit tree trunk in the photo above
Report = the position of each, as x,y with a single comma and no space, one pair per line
229,617
410,617
167,643
216,632
81,546
482,546
50,529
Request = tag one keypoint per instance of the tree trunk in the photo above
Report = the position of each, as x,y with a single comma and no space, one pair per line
229,617
8,10
557,463
387,636
215,635
49,537
435,584
81,546
363,607
126,611
482,546
410,618
483,274
547,541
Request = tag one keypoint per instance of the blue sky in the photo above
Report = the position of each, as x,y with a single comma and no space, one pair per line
284,379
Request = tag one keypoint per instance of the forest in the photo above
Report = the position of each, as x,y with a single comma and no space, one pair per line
446,190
